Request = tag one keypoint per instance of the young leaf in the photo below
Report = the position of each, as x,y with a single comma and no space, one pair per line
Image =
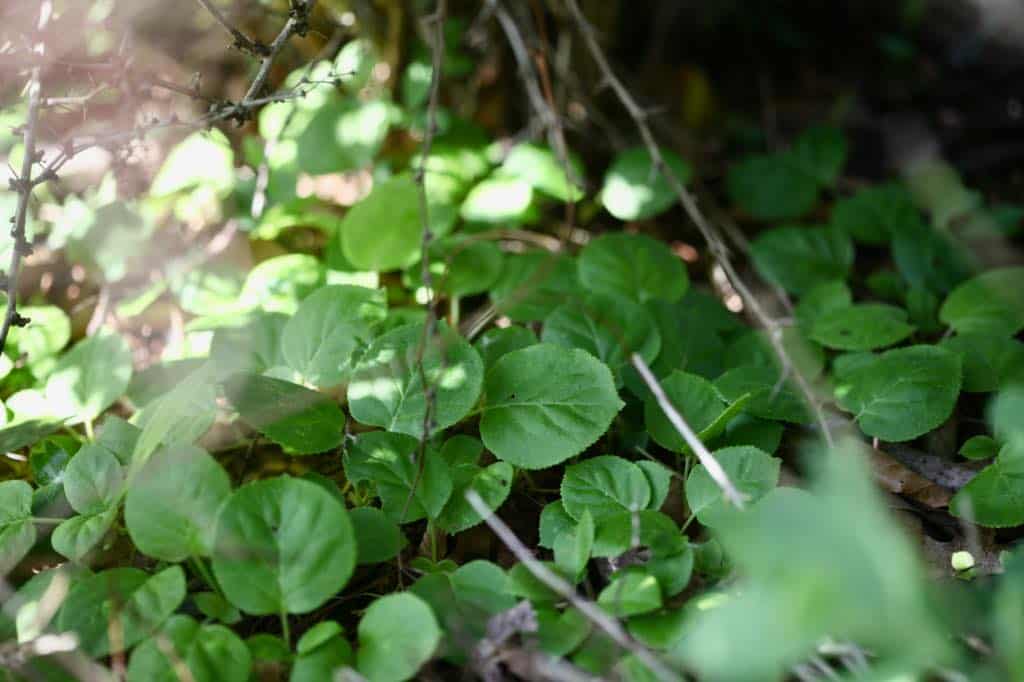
210,653
303,421
387,390
378,538
991,303
17,532
182,415
572,548
635,190
278,284
93,480
533,284
545,404
753,472
75,537
603,486
633,266
799,258
990,362
389,461
875,214
111,611
498,341
630,594
695,399
383,231
283,545
995,497
979,447
820,151
864,326
772,187
772,397
622,531
659,478
822,299
544,171
903,393
554,520
89,378
500,199
318,342
492,483
610,328
397,635
158,523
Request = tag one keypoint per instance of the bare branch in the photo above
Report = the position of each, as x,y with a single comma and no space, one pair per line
242,41
708,460
594,613
298,23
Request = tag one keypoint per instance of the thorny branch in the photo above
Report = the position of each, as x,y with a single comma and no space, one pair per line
591,611
714,242
242,41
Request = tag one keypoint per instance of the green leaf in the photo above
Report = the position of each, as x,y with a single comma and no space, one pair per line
558,634
253,347
544,404
672,572
754,347
492,483
182,415
979,447
533,284
994,498
319,341
17,532
76,537
378,538
753,472
210,653
635,190
1004,415
799,258
278,284
390,461
26,432
158,523
610,328
991,303
214,606
545,172
397,635
821,152
604,485
622,531
863,326
931,259
460,265
384,230
772,396
93,480
572,548
659,478
303,421
499,200
386,388
822,299
322,652
128,597
317,635
203,159
283,545
118,436
772,187
554,520
693,397
873,215
634,266
496,342
89,378
903,393
47,333
990,362
630,594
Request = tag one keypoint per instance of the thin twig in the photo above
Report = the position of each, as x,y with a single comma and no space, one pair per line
590,610
298,23
23,184
242,41
708,460
714,241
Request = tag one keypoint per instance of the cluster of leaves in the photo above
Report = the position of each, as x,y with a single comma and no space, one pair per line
389,426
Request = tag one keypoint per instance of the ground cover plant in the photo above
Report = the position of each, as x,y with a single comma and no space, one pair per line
348,377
